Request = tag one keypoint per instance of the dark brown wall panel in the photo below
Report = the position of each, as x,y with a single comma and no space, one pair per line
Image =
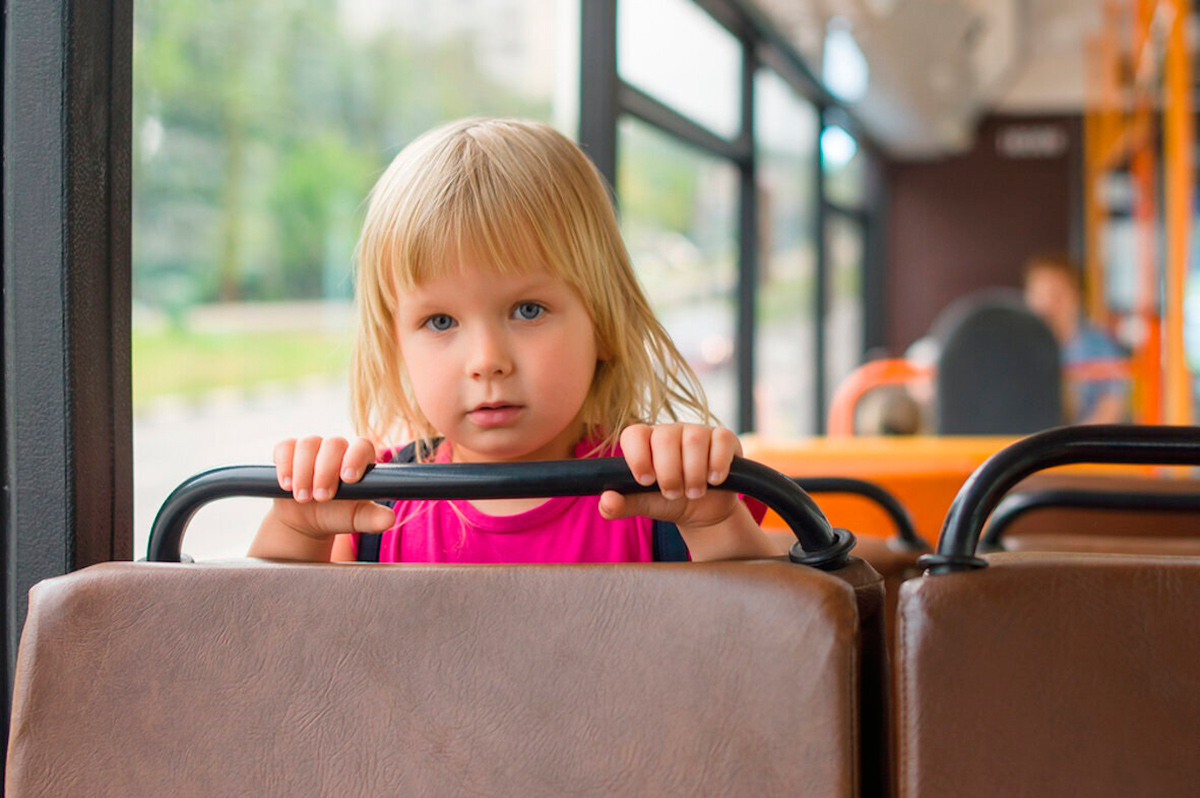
970,222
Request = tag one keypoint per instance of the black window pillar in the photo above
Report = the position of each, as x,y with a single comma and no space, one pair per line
67,440
821,283
599,85
748,248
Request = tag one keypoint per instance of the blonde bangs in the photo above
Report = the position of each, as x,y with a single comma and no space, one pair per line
497,200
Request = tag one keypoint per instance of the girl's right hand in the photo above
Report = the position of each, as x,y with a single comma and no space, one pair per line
312,468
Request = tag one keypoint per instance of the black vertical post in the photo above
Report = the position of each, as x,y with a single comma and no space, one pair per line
598,85
874,258
67,465
748,247
820,284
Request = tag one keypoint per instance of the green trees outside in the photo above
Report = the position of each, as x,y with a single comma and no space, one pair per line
260,126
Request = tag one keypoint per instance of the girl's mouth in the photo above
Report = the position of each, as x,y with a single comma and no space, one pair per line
496,415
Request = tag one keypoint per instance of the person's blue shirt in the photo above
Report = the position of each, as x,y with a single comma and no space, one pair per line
1090,344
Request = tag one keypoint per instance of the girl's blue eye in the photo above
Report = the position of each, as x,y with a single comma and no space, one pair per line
439,322
529,310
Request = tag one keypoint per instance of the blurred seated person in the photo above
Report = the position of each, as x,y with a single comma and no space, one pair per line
1053,292
888,410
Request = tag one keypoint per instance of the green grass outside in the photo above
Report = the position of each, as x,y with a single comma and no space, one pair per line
181,363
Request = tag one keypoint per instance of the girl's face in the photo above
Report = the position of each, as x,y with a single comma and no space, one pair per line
499,364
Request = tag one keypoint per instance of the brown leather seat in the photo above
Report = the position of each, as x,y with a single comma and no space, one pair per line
281,679
888,556
1050,674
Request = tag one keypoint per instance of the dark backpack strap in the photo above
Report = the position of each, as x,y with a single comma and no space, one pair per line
369,543
667,543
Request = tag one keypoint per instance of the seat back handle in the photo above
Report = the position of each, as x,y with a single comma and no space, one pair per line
906,531
1091,443
1016,505
817,543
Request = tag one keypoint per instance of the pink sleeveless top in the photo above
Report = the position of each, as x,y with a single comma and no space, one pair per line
561,530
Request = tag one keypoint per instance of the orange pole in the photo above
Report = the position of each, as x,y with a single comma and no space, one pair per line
1178,142
1094,144
1148,357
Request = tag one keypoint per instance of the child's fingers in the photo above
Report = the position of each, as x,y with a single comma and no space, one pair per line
328,518
282,456
327,468
612,505
635,445
724,446
359,455
696,442
371,517
665,449
304,459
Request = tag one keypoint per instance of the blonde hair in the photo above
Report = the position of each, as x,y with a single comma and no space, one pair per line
516,193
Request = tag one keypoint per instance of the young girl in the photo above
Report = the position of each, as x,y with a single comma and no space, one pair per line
499,313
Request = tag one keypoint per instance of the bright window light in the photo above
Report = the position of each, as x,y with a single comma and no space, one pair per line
844,69
837,148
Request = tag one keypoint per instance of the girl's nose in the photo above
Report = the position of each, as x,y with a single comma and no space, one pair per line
489,355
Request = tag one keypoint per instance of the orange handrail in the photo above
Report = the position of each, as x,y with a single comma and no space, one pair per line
867,377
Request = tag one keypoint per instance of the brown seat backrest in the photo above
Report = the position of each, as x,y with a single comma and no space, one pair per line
1050,674
280,679
1140,544
1129,523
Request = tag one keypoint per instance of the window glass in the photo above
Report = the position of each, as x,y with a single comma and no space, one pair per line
786,130
844,164
843,301
678,216
258,130
674,51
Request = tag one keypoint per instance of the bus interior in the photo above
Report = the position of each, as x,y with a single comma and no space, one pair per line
932,260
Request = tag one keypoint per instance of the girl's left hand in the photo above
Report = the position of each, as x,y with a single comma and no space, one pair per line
685,460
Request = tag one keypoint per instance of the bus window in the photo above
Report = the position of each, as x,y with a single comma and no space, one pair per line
257,133
786,131
696,69
679,214
843,300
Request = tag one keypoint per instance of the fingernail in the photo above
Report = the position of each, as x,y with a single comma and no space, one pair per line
320,494
695,493
645,479
671,494
715,478
348,474
286,484
302,495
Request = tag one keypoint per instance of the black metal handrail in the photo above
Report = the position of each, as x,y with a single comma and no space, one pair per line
817,543
1016,505
906,531
1093,443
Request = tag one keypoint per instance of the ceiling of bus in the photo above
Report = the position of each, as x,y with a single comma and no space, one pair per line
935,66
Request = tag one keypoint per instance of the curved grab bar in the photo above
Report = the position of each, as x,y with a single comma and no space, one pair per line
818,543
1016,505
868,376
1092,443
906,531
